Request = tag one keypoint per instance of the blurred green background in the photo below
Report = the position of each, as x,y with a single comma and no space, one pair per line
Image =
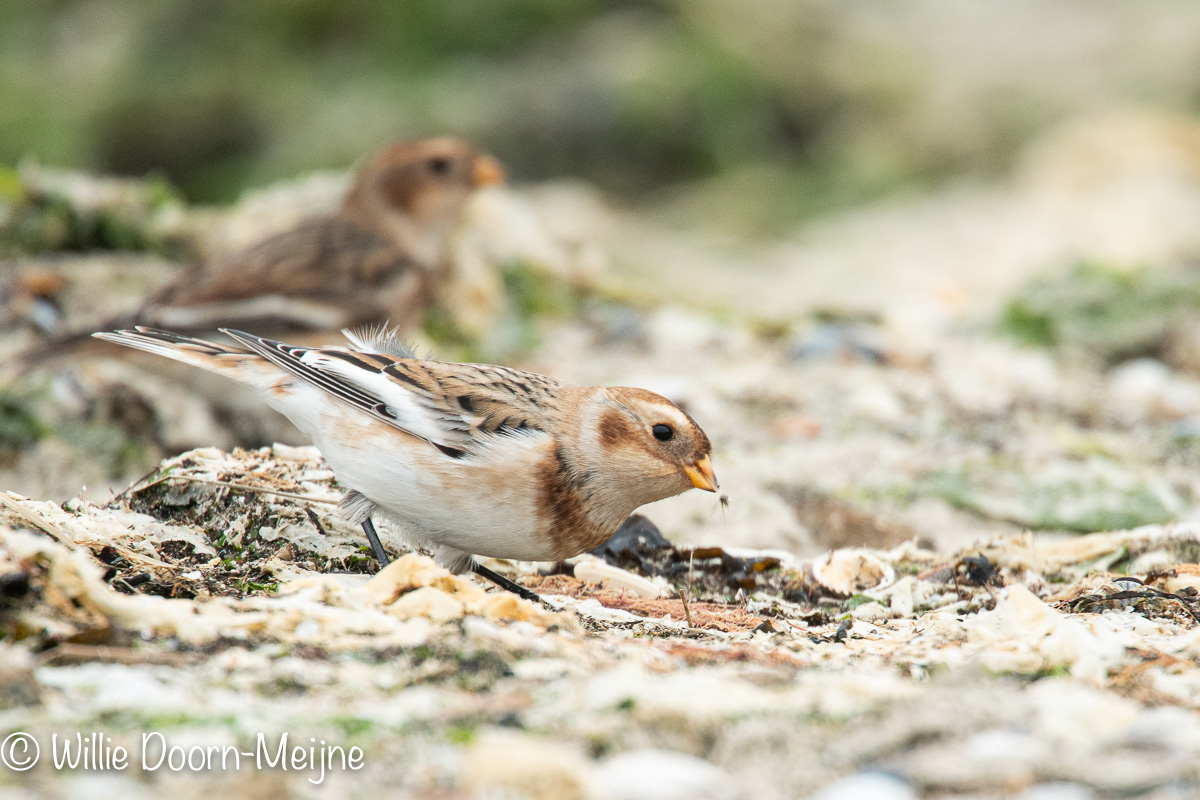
760,112
904,171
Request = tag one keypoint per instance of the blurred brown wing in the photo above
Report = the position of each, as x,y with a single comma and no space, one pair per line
330,273
327,273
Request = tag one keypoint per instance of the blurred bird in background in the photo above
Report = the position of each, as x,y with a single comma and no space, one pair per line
372,261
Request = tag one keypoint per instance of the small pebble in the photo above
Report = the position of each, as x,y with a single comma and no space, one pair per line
659,775
866,786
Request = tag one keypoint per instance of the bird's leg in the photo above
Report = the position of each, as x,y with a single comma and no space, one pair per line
507,585
504,583
380,554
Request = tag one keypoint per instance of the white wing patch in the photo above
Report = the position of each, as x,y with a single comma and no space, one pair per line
410,409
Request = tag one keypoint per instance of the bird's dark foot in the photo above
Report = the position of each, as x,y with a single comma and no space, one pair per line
380,554
509,586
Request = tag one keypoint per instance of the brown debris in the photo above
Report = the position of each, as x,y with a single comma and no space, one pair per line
704,616
71,653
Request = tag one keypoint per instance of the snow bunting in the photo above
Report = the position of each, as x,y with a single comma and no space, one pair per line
465,459
372,260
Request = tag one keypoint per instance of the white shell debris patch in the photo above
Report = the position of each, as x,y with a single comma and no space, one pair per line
852,571
215,568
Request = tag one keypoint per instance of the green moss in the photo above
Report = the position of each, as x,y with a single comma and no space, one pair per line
19,426
1051,671
353,727
533,292
1028,324
37,226
109,444
451,340
856,601
1101,312
35,222
460,734
1082,505
281,685
12,191
132,720
261,587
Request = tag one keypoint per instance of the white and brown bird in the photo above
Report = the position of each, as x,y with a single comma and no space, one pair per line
372,260
465,459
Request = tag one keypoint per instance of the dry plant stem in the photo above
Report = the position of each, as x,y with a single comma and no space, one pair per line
133,487
687,612
683,595
242,486
44,525
312,517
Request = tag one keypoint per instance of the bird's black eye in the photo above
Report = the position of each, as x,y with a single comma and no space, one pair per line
662,432
439,166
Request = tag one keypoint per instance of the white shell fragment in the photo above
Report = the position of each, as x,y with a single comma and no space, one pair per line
852,571
593,570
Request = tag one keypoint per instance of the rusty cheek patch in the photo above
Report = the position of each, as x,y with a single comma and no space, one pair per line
614,429
560,501
616,432
398,186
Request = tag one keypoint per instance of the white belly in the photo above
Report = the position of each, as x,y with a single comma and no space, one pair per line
484,506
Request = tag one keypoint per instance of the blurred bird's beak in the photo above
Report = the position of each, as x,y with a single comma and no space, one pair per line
702,476
487,171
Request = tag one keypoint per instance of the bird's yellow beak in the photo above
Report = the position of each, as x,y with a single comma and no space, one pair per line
702,475
487,171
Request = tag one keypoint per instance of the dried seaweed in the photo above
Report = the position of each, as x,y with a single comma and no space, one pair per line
708,571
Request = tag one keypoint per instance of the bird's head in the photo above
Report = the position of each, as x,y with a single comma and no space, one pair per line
646,447
416,190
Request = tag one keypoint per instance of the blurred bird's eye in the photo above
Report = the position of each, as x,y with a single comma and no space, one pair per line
439,166
662,432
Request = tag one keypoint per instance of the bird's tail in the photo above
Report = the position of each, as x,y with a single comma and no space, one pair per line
234,362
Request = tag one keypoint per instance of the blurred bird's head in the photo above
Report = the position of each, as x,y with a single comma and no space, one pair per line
414,191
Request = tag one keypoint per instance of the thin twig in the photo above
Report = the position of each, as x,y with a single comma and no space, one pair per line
312,517
131,486
691,579
242,486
